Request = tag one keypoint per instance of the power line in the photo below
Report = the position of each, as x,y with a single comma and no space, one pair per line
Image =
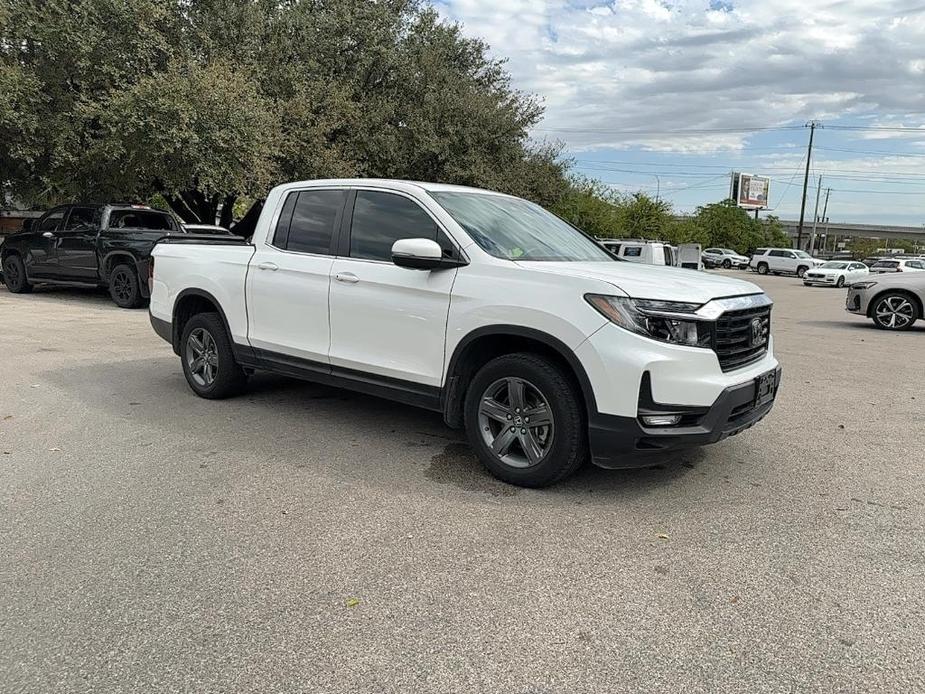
678,131
870,151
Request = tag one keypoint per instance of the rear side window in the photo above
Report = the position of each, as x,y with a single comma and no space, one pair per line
886,264
81,218
140,219
632,252
381,219
308,221
778,254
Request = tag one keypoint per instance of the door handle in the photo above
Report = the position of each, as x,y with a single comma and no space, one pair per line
347,277
268,266
48,235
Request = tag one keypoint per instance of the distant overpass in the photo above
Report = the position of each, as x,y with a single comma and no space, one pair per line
868,231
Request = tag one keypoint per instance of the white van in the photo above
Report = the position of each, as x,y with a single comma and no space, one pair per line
641,251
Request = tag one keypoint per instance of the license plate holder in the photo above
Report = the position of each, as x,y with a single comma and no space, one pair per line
765,388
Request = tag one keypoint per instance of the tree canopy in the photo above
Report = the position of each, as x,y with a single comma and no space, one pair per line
207,102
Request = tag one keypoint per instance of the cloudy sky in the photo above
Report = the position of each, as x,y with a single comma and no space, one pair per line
671,95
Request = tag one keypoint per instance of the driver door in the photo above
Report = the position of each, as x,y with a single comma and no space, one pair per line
41,258
387,320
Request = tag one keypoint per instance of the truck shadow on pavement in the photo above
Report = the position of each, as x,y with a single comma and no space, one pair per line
351,436
92,297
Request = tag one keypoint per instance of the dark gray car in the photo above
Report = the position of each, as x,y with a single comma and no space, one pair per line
891,301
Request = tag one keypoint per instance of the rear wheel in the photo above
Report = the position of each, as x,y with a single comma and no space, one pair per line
14,275
208,358
762,268
124,288
524,420
894,311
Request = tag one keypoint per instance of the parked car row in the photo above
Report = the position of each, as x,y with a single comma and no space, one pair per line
104,245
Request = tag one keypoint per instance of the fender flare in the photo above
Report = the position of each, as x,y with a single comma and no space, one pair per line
202,294
451,381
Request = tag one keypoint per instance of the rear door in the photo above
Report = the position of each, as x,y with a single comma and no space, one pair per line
76,245
288,280
387,320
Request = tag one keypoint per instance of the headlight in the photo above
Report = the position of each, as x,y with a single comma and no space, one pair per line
863,285
666,321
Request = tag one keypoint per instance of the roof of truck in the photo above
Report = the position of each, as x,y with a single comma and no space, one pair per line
394,183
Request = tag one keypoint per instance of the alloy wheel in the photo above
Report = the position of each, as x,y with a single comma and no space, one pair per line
12,274
122,286
895,312
516,422
202,357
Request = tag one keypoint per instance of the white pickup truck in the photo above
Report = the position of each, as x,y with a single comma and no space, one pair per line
481,306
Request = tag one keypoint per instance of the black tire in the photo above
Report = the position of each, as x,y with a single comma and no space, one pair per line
124,288
14,275
227,377
562,444
841,282
727,264
901,307
762,268
801,271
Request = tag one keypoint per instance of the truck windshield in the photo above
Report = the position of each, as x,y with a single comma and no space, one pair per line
140,219
515,229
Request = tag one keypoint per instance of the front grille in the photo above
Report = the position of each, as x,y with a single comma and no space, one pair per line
814,275
737,342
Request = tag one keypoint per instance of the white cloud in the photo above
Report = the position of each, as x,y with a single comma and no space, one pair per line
647,65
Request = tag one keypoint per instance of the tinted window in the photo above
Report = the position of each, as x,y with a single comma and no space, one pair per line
81,218
51,222
711,250
779,254
761,251
314,219
381,219
285,217
140,219
633,251
886,263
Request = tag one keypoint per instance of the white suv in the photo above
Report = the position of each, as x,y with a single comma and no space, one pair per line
780,261
481,306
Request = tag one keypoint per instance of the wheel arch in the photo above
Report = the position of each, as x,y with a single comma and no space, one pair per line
111,259
189,303
485,343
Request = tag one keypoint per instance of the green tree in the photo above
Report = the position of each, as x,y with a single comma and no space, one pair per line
205,103
639,216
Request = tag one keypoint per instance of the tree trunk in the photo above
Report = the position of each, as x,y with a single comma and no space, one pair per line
227,218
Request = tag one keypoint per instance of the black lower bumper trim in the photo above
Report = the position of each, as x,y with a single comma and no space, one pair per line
624,442
162,328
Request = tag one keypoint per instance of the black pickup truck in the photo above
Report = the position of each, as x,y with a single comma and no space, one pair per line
106,245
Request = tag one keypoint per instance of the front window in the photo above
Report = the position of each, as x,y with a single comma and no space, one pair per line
515,229
831,265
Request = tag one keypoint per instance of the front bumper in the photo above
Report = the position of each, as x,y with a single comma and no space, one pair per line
624,442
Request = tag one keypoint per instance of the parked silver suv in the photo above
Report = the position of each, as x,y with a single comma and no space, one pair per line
892,301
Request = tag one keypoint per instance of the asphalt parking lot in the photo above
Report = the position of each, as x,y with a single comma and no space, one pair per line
302,538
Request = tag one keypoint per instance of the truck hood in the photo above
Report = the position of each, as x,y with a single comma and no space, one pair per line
651,281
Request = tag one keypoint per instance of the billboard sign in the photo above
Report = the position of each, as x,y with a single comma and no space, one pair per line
751,192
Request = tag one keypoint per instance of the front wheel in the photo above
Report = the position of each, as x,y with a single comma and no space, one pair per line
124,288
524,419
801,271
727,264
208,358
894,311
14,275
762,268
841,281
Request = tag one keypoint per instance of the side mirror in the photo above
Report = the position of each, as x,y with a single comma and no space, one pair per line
421,254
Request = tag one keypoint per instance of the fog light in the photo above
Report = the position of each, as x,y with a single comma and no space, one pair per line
661,420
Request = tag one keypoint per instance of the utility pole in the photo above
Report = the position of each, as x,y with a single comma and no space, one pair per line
809,155
825,207
812,243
